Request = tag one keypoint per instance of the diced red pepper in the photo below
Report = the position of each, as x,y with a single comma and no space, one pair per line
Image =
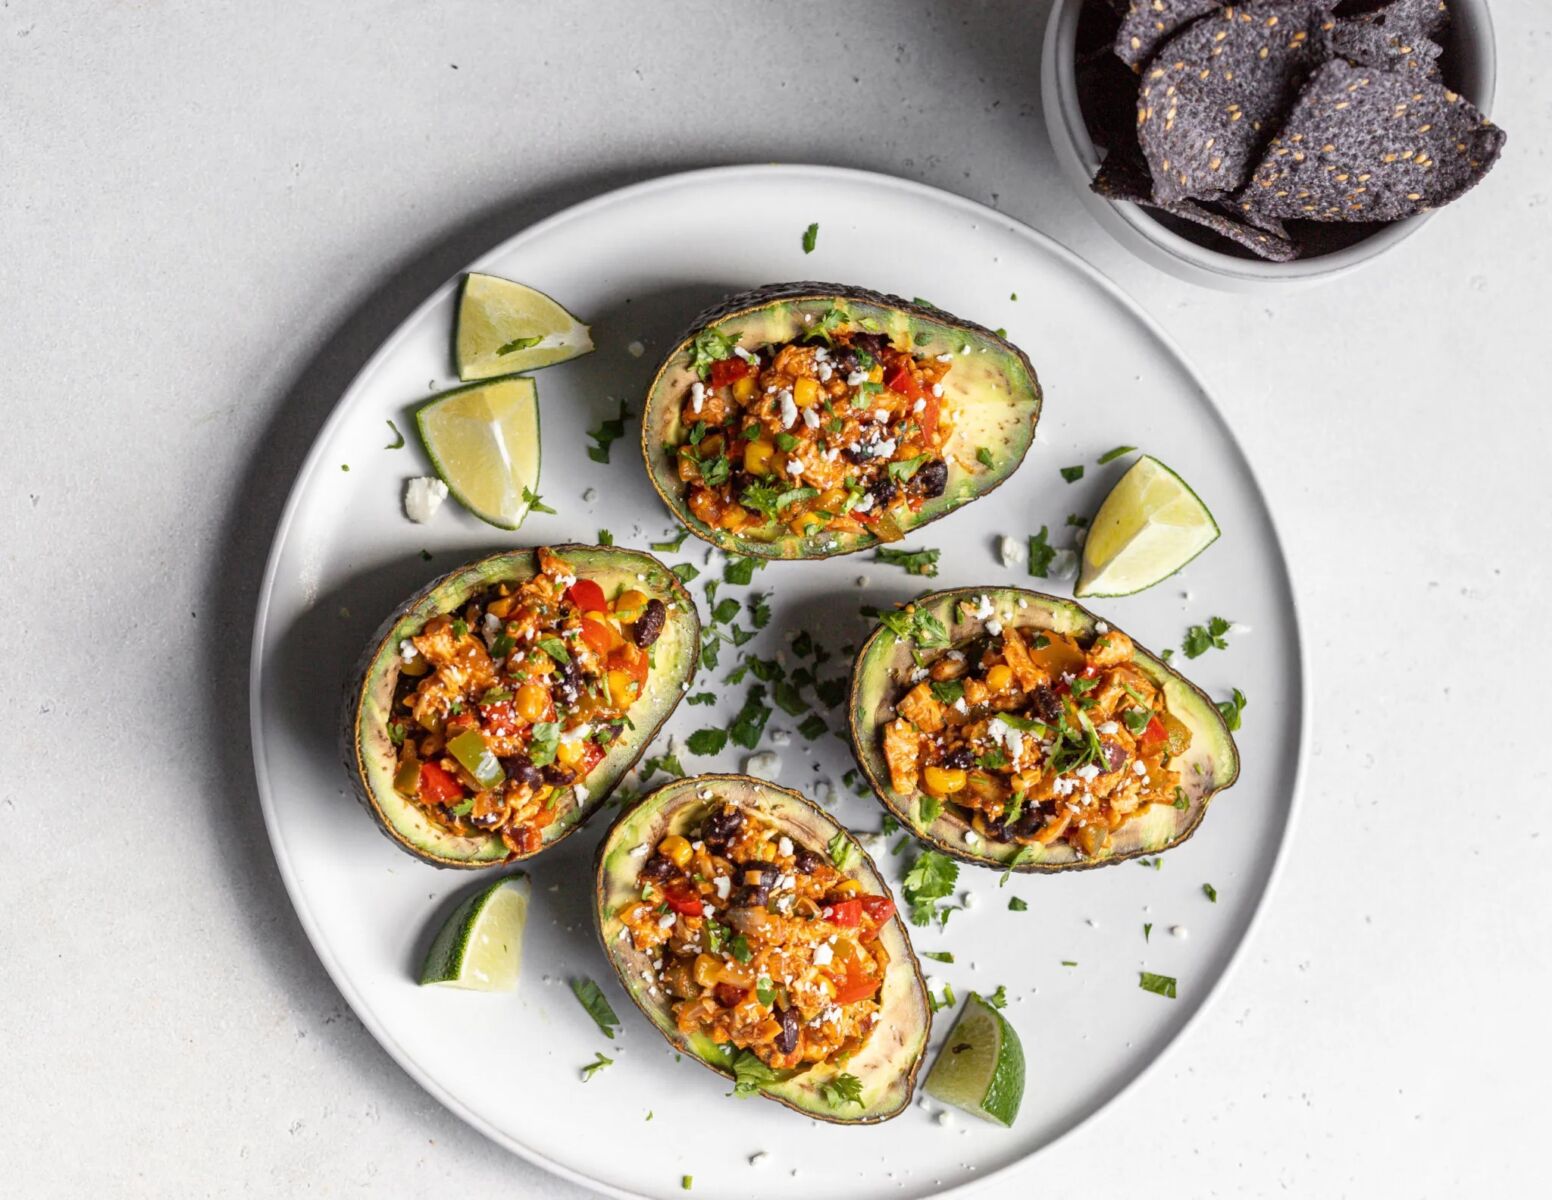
845,913
438,785
632,660
587,596
928,417
1063,687
500,720
857,987
592,755
1153,736
901,380
682,900
728,371
877,909
597,635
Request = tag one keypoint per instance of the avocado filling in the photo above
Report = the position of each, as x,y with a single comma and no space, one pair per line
504,707
1037,739
838,430
763,944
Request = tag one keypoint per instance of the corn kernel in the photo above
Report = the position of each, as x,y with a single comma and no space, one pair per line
943,781
805,523
805,392
622,688
999,677
569,754
847,887
676,849
743,388
757,456
532,702
629,605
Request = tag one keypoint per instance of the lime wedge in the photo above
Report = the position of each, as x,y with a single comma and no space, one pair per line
480,947
981,1066
1150,526
504,327
483,440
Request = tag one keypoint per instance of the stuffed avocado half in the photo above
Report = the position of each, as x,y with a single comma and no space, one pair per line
498,706
1015,729
802,420
758,937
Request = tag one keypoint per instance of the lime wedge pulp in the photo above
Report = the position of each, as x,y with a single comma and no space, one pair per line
1150,526
483,440
480,946
504,328
981,1066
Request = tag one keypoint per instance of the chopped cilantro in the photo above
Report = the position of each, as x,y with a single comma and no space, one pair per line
999,998
741,570
605,538
460,628
810,238
554,648
1159,985
929,808
843,851
984,457
672,543
843,1089
685,572
609,431
668,763
947,1001
740,949
598,1064
1067,962
1200,639
942,956
765,990
398,438
813,726
759,610
1210,892
1232,708
1077,521
915,562
1015,904
906,467
750,722
888,826
535,503
702,698
1110,456
592,999
1041,554
710,346
1072,474
786,695
931,877
706,741
1147,931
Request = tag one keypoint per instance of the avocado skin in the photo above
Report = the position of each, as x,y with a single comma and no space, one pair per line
906,1022
1161,828
400,820
1008,441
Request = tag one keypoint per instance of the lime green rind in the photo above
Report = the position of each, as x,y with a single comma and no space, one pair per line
462,954
476,337
980,1068
1083,593
888,1062
1210,766
998,393
370,755
448,476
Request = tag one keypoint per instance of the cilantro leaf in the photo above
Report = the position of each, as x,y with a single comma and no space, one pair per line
1210,892
668,763
1232,708
914,562
1200,639
810,238
843,1089
686,572
1041,554
710,346
672,543
741,570
1072,474
1017,905
1159,985
598,1064
605,538
984,457
702,698
544,738
591,997
843,852
750,1075
398,438
535,503
999,998
813,726
609,431
942,956
750,722
932,877
706,741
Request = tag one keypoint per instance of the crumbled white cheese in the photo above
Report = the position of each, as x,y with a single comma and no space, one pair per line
752,359
918,406
945,1118
863,581
697,396
794,467
572,736
640,851
969,899
407,651
579,790
971,838
1101,627
1088,772
1011,551
865,505
724,885
856,379
937,390
994,627
826,372
789,409
784,846
765,764
1139,767
422,497
811,417
983,608
666,921
1108,727
823,954
960,706
1179,931
945,358
780,737
1064,564
1063,785
636,349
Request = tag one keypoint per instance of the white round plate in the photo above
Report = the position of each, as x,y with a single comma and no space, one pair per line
637,264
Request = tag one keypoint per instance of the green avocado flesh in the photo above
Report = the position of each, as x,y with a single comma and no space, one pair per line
990,384
888,1061
881,675
371,755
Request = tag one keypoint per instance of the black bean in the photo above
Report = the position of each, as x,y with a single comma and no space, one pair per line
520,770
959,760
659,866
1043,700
756,890
722,827
1031,821
873,343
787,1039
558,775
808,862
883,491
1115,755
844,359
649,626
568,682
932,479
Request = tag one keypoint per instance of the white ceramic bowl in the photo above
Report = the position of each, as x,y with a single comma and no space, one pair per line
1473,69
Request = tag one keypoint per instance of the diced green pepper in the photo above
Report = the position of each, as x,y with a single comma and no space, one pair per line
475,757
406,780
1179,733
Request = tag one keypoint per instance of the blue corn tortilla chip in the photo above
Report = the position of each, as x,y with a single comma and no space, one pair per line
1364,144
1124,176
1216,92
1395,36
1414,17
1149,22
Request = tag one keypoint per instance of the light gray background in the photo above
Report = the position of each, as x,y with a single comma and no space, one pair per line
211,214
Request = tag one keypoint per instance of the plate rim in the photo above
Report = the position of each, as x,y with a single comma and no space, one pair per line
423,1077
